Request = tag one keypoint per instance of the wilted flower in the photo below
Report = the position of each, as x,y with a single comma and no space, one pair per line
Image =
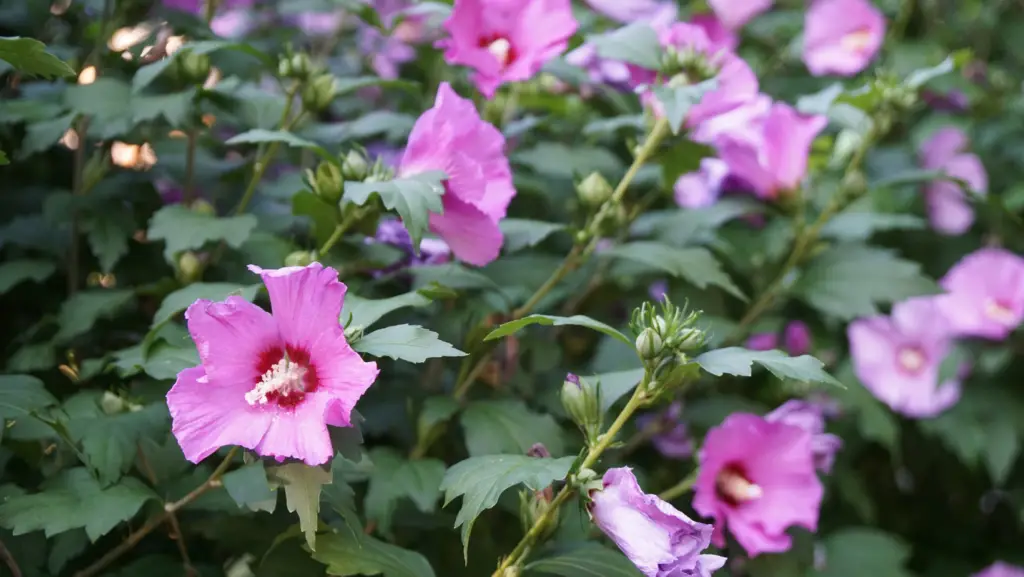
986,294
701,188
757,479
506,40
841,36
452,138
672,439
898,357
948,210
735,13
270,383
810,416
659,539
1001,569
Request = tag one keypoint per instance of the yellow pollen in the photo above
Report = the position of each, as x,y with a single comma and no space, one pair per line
999,312
858,41
500,48
284,378
911,359
737,488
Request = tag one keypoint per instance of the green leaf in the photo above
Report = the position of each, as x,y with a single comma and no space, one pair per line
678,100
15,272
174,107
393,478
451,275
409,343
74,499
875,421
164,361
508,426
110,442
80,312
302,488
248,487
481,480
349,553
575,320
635,43
616,385
145,75
860,225
864,551
108,103
21,395
29,56
3,158
584,560
683,157
920,77
66,547
180,299
262,136
696,265
40,136
183,229
414,198
348,85
435,410
848,281
520,234
108,232
323,215
739,361
365,312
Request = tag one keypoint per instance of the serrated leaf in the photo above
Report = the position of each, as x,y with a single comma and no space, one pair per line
365,312
183,229
414,198
29,56
74,499
508,426
409,343
180,299
66,547
174,107
248,487
80,312
694,226
108,232
481,480
15,272
676,101
583,560
20,395
520,233
616,385
393,478
108,103
451,275
262,136
110,442
848,281
739,361
635,43
846,553
349,553
575,320
302,494
40,136
697,265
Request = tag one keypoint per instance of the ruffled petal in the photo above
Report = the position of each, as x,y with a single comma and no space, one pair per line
230,337
472,235
300,433
343,376
306,302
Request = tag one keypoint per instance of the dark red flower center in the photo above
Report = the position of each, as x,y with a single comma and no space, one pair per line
500,47
286,376
733,485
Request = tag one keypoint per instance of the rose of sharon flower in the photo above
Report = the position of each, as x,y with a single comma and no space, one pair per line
270,383
451,137
810,416
735,13
432,250
660,540
948,210
796,339
841,36
986,294
757,479
506,40
1000,569
898,357
774,162
673,439
701,188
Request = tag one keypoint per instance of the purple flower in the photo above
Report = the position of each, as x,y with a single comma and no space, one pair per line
757,478
948,210
673,439
796,340
841,36
952,101
735,13
387,53
432,250
985,294
317,23
1000,569
898,357
701,188
600,70
658,290
659,539
810,416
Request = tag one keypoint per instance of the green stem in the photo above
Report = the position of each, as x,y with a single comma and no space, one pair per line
188,194
339,231
681,488
263,157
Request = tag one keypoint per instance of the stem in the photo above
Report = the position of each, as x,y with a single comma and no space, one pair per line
211,482
681,488
263,157
8,559
211,11
339,230
188,194
593,454
172,519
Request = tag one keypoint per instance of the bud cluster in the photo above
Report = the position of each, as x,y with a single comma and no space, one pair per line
663,340
317,86
685,66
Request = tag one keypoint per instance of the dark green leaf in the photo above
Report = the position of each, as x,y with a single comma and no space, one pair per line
248,487
145,75
108,232
365,312
635,43
739,361
394,478
407,343
40,136
174,108
860,225
520,234
180,299
864,551
29,56
164,361
3,158
183,229
348,85
575,320
66,547
436,410
696,265
349,553
302,487
15,272
110,442
108,103
20,395
80,312
584,560
324,215
261,136
414,198
508,426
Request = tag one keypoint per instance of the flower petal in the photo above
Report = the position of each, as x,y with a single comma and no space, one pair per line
306,302
230,337
472,235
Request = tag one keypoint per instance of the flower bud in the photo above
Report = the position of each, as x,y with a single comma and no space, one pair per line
581,401
296,66
193,68
649,344
354,166
327,182
299,258
203,207
689,339
319,92
594,190
532,506
112,404
190,267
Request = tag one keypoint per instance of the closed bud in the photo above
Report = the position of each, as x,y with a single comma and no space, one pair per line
190,267
327,182
112,404
854,183
319,92
649,344
689,339
354,333
194,68
354,166
299,66
582,402
299,258
203,207
594,190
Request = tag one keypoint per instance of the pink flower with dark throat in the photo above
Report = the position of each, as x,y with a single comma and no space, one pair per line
810,416
451,137
757,479
506,40
270,383
985,294
949,210
841,36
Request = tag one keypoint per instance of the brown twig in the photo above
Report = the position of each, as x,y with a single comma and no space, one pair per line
9,560
176,535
